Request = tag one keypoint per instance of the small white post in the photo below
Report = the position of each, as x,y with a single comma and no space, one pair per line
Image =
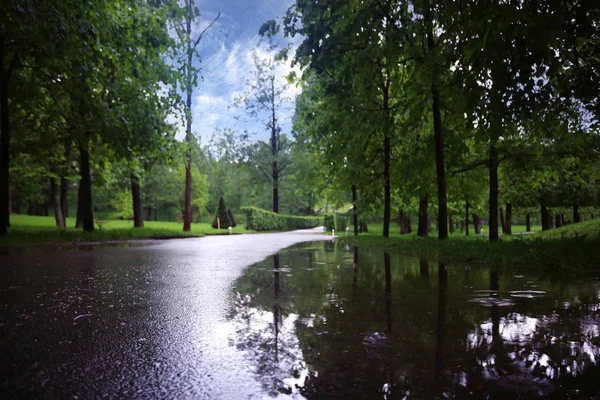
347,230
230,230
333,232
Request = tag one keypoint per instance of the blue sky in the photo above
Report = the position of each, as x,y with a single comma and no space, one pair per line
226,52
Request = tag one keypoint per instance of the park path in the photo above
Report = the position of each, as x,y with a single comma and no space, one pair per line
129,322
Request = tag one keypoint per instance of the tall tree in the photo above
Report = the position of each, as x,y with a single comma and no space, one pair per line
184,21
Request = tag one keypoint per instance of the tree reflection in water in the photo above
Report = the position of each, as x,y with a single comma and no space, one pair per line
314,324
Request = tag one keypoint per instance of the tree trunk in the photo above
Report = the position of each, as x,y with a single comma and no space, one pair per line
562,219
187,205
64,187
508,219
528,222
439,141
450,224
545,217
87,213
422,230
467,218
64,184
79,218
476,224
138,219
354,211
557,221
55,194
363,227
148,213
576,215
387,199
187,208
493,170
502,222
404,222
4,139
275,173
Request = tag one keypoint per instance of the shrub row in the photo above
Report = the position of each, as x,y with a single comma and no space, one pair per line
262,220
336,221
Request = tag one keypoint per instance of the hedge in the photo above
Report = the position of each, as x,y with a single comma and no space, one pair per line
336,221
262,220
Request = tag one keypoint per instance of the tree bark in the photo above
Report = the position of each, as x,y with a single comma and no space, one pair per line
4,139
64,205
476,224
576,215
87,212
274,149
528,222
79,218
187,206
136,196
467,218
493,171
275,173
55,194
545,215
64,183
508,219
422,230
354,210
439,140
502,222
404,222
450,224
557,221
387,200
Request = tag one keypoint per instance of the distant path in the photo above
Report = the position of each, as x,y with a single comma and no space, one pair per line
129,322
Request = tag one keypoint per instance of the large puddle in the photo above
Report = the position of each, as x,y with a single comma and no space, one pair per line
324,321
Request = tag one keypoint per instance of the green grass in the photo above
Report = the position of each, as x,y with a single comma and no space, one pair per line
33,229
572,247
377,230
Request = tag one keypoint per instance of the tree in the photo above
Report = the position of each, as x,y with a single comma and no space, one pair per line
183,20
222,215
266,98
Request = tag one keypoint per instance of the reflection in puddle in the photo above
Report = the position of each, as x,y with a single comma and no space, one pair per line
384,325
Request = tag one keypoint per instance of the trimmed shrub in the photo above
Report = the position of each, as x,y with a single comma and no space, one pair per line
336,221
262,220
231,218
223,216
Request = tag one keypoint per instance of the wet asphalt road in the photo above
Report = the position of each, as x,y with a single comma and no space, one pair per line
128,322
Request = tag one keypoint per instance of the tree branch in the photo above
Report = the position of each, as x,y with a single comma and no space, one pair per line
205,29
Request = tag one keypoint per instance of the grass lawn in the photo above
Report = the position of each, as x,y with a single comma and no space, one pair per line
573,247
28,229
377,230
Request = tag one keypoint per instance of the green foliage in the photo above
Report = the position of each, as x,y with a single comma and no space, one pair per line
262,220
223,215
336,221
123,205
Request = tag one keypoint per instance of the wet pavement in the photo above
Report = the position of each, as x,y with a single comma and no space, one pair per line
128,322
269,316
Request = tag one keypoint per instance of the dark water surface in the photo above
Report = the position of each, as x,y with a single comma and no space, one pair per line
315,321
